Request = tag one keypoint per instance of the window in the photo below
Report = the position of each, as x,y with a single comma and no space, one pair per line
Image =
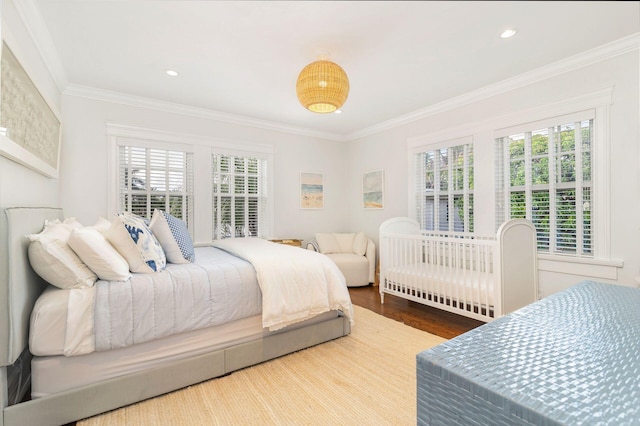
155,179
239,196
444,188
544,174
217,186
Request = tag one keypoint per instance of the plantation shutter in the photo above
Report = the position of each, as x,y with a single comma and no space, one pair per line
151,179
544,175
444,188
239,196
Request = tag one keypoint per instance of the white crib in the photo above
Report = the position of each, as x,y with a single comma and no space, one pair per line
478,277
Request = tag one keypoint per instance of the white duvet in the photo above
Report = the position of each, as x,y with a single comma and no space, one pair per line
216,289
244,277
296,284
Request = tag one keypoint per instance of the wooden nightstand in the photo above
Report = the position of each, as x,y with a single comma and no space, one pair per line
293,242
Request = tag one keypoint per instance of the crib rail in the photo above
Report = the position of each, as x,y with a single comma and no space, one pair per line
451,272
481,277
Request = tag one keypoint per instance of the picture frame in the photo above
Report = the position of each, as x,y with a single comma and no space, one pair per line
373,189
30,130
311,190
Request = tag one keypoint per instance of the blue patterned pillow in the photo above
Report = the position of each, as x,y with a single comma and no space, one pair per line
133,239
174,237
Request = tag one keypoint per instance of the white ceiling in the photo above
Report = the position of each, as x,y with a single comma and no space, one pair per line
243,58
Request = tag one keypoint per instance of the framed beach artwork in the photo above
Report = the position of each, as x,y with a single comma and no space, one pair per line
373,189
311,190
29,129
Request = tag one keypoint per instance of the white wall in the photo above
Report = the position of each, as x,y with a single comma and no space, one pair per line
81,189
84,166
388,150
20,186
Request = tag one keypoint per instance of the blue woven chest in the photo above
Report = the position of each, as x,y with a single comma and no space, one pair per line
571,358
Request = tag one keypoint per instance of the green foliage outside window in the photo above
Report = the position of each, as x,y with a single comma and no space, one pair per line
562,191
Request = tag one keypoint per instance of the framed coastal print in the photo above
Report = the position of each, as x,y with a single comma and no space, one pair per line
311,190
373,189
29,129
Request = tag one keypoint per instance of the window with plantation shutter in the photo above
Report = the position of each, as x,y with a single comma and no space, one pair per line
544,174
155,179
444,188
239,196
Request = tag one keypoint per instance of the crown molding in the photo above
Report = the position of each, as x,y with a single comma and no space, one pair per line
34,23
35,26
191,111
598,54
589,57
134,132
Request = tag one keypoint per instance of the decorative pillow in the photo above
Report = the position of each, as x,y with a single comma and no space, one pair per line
135,242
345,241
360,244
98,254
314,245
327,243
102,225
53,260
173,235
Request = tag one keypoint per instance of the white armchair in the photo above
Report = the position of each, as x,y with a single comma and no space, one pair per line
353,253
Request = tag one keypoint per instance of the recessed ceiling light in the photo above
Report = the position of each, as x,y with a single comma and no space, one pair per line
338,111
509,32
172,73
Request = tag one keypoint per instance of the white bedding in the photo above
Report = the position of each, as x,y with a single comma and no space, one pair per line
296,284
449,283
217,288
286,284
53,374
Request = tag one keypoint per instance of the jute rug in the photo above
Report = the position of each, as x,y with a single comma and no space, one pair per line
366,378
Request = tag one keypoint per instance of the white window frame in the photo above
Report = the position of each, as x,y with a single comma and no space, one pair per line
484,133
202,147
504,187
602,265
260,196
427,144
187,189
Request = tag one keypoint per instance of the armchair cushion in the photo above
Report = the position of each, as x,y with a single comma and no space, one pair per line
360,244
327,243
353,253
342,242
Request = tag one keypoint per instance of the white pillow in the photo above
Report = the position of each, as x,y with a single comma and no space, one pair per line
327,243
174,237
131,236
345,241
98,254
102,225
53,260
360,244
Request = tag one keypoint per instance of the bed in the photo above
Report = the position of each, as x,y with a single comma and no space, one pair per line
464,273
568,359
76,376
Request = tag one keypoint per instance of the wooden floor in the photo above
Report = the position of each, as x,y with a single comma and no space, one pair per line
431,320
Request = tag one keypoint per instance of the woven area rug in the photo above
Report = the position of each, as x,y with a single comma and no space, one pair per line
368,377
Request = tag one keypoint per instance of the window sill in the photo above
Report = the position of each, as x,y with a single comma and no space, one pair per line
595,268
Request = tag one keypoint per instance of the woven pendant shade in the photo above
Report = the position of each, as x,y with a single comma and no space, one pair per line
322,86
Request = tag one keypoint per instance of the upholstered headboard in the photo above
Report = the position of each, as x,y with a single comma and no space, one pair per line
20,286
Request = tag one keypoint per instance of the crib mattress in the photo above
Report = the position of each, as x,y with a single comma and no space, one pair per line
571,358
444,282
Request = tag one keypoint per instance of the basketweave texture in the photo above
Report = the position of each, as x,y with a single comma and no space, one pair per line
572,358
